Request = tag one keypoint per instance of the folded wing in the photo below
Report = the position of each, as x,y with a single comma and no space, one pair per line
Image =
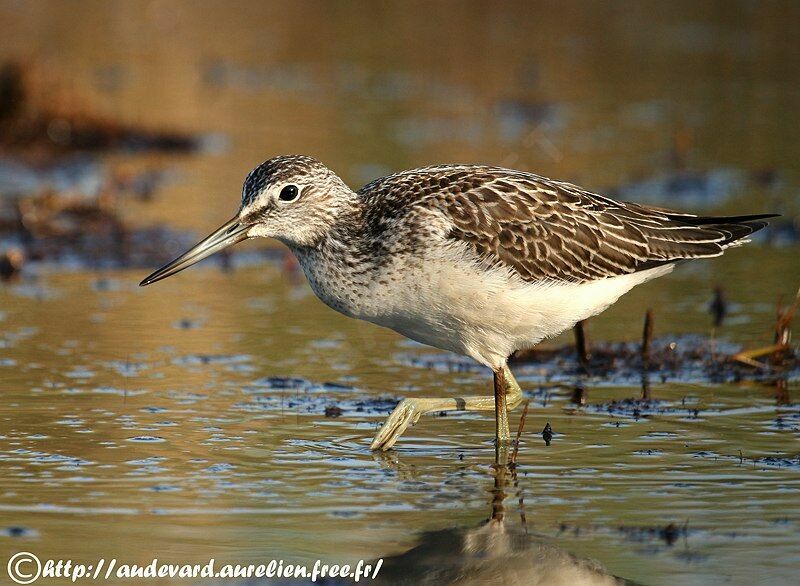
549,230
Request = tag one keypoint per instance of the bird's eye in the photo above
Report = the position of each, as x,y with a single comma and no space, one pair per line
289,193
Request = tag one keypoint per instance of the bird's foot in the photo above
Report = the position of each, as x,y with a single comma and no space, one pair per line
407,412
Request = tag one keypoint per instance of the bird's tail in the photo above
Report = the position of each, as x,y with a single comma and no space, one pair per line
685,236
734,229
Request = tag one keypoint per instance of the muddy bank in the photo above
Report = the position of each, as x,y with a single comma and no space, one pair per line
61,200
40,120
681,359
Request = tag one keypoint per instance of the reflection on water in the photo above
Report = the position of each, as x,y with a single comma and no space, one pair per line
228,415
498,551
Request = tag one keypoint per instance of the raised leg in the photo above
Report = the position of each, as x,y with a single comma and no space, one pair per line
507,396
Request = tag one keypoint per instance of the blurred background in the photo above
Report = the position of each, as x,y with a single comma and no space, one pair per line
694,106
195,413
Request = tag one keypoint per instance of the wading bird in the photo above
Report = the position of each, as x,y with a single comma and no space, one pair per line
478,260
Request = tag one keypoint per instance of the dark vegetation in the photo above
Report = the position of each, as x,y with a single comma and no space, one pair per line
60,200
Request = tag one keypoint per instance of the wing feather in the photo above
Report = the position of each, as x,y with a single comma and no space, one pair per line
548,230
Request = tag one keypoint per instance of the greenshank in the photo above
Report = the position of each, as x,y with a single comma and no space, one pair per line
478,260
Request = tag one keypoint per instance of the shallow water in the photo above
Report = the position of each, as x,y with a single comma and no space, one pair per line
187,420
162,420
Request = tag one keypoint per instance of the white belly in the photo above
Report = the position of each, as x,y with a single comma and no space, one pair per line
448,301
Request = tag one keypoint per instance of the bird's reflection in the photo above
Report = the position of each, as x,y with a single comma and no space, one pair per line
499,551
782,392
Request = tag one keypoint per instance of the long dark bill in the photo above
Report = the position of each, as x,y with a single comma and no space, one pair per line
227,235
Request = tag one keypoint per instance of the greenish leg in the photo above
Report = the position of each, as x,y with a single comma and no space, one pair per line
502,433
508,395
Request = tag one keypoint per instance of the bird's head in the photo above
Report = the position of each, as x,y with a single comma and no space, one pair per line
295,199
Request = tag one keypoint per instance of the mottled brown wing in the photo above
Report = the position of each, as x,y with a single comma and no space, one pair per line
549,230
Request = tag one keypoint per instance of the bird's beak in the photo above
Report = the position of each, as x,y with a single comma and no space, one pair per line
229,234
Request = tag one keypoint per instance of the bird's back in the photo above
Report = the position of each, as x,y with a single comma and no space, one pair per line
547,230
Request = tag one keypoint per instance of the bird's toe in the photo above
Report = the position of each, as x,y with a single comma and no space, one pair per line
405,414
